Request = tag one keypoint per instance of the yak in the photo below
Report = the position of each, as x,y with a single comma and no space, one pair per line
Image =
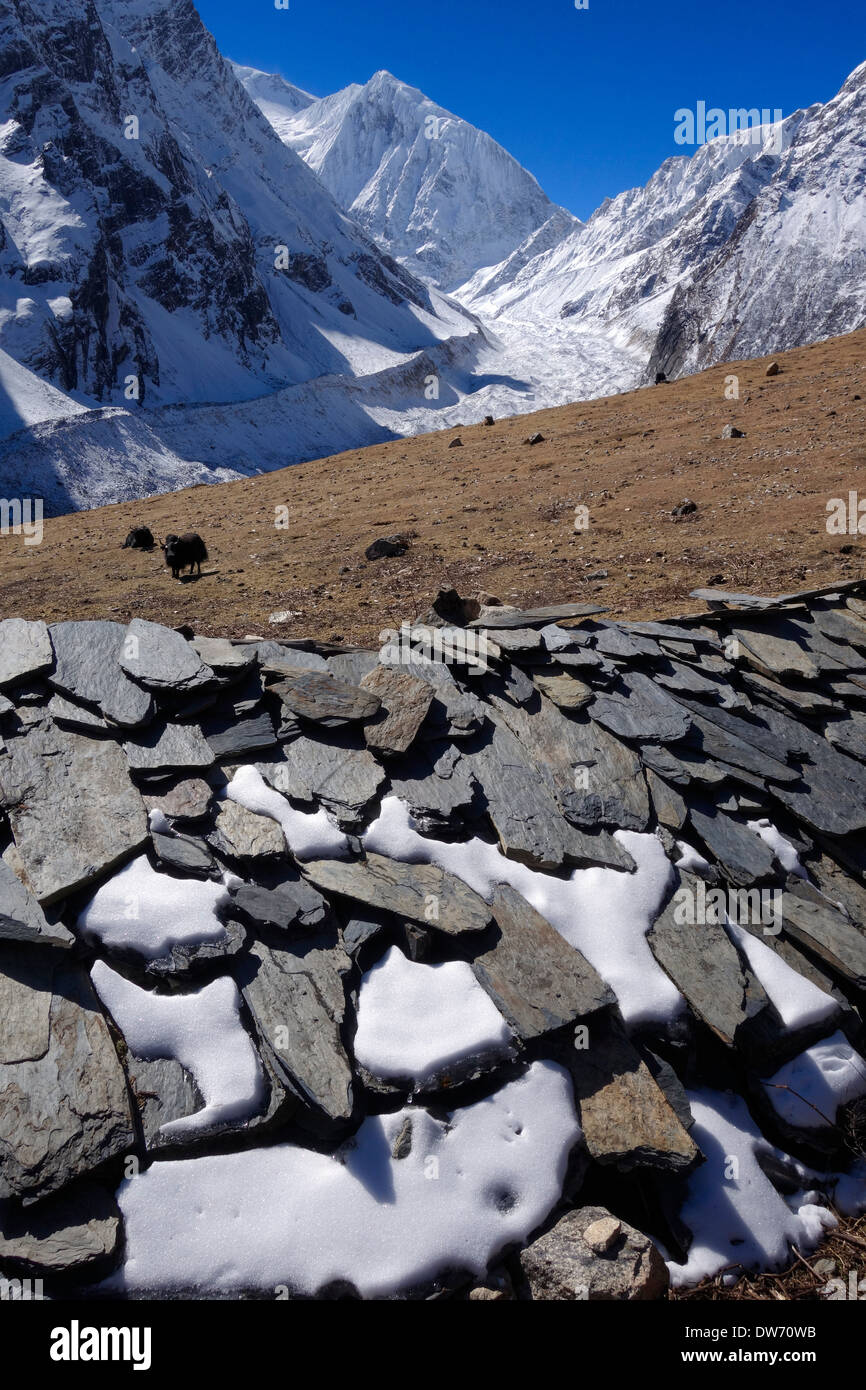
139,538
182,551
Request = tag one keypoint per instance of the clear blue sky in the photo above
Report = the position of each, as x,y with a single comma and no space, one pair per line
585,99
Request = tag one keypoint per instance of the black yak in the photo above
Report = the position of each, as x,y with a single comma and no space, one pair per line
139,538
182,551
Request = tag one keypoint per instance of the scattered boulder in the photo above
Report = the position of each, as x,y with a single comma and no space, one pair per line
731,432
456,443
387,546
685,508
566,1264
773,369
534,439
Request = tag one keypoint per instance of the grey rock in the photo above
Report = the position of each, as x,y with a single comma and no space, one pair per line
625,1116
567,1265
88,669
161,659
615,641
188,799
745,744
849,735
358,930
708,970
231,738
812,922
422,892
62,1234
405,701
743,855
64,1108
640,709
324,700
21,917
731,432
184,856
25,650
241,834
669,806
517,641
64,711
72,809
297,1001
435,782
223,657
616,790
341,774
292,903
278,658
536,617
167,748
563,689
778,652
190,959
351,667
535,979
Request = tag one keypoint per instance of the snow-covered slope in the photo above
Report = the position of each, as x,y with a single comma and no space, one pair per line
155,227
441,196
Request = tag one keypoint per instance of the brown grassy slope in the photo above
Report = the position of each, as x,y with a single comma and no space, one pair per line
498,515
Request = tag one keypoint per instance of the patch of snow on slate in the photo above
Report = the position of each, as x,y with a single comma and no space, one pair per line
817,1082
418,1020
797,1000
782,848
737,1217
309,835
201,1030
603,913
285,1215
150,913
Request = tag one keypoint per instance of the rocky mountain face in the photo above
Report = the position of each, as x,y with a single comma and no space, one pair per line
159,242
440,195
531,903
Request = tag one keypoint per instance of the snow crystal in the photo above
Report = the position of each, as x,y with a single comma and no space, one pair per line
287,1216
418,1020
309,835
201,1030
737,1217
817,1082
604,913
797,1000
150,912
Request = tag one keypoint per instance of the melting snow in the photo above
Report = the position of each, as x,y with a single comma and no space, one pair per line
150,912
418,1020
817,1082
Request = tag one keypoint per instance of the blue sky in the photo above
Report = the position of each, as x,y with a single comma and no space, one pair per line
585,99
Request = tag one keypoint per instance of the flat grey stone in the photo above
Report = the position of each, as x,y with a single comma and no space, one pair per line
616,790
640,710
341,774
21,917
279,659
405,702
231,738
565,1265
297,1002
422,892
535,979
849,735
535,617
626,1119
811,921
293,903
168,748
241,834
25,650
563,689
72,809
798,700
517,640
224,657
64,711
351,667
669,806
183,856
520,797
322,699
64,1108
87,668
743,855
63,1234
740,743
613,640
161,659
436,783
708,970
188,799
775,653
